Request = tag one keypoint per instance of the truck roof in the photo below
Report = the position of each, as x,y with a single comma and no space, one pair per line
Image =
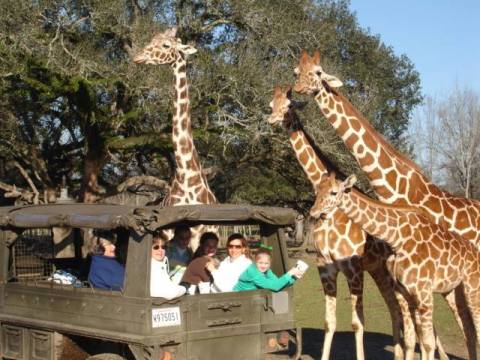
139,218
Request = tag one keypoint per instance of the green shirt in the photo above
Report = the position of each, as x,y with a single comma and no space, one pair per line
253,279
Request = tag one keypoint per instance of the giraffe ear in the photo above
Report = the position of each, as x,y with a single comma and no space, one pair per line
331,80
316,57
186,49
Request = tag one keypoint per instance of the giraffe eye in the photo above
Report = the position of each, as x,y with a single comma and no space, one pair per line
318,72
334,193
166,46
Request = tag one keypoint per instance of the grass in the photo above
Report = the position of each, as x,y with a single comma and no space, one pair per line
310,314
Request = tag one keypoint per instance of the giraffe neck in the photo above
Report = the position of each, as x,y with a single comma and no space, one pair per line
393,176
182,129
189,185
304,152
381,220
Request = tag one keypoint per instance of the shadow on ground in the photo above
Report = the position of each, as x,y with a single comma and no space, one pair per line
377,346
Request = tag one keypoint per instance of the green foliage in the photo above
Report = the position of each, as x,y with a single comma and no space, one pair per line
74,97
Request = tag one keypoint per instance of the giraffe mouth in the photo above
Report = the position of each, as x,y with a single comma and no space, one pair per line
139,59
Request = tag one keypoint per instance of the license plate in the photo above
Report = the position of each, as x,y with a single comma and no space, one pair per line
166,317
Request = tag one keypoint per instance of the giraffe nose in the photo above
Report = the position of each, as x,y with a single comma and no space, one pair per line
272,119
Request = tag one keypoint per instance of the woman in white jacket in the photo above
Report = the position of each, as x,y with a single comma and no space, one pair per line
230,269
160,283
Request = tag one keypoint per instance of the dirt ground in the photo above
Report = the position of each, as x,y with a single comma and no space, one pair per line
377,346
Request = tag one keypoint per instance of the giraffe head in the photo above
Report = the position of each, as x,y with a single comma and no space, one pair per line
310,76
164,48
283,106
329,194
280,104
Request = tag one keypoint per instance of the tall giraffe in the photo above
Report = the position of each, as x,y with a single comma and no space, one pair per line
189,185
395,179
428,257
342,246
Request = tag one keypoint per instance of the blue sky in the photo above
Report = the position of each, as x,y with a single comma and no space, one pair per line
441,38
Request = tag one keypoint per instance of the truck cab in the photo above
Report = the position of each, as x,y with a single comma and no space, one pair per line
38,313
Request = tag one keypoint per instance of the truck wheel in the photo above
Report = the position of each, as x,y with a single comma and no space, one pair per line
106,357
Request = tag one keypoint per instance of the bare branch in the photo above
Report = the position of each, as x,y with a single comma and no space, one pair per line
142,180
25,175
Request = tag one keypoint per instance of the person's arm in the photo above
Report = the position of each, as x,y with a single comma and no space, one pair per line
220,280
270,281
162,286
196,271
223,279
200,269
166,289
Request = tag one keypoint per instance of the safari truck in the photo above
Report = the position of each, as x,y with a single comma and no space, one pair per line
40,313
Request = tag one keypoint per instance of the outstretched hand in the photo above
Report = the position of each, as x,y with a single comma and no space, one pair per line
211,265
295,273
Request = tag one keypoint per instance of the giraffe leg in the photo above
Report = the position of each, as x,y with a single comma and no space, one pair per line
354,276
441,351
418,329
385,285
425,317
408,323
472,295
328,275
457,303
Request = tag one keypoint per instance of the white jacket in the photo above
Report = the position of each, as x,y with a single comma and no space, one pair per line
160,283
227,274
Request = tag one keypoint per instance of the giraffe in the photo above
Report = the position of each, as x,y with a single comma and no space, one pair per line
395,179
342,246
189,185
428,257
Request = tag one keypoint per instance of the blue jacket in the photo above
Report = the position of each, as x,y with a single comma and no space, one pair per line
106,273
175,257
253,279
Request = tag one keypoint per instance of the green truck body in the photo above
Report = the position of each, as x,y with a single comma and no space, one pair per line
34,312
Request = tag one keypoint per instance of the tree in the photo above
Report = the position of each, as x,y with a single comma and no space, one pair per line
452,126
80,106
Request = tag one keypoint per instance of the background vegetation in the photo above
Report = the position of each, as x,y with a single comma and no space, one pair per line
73,105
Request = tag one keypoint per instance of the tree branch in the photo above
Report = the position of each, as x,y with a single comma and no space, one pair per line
142,180
29,181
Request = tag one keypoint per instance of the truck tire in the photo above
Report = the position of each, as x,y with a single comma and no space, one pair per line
106,357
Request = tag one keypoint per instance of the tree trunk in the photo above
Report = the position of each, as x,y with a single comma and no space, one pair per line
94,161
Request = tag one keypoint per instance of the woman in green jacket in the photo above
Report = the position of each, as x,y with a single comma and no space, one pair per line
259,276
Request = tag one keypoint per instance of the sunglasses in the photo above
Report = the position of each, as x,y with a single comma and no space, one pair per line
157,247
235,246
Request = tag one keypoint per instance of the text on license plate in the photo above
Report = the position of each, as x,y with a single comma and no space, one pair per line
166,317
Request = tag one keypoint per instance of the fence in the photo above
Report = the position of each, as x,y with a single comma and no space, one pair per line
251,232
31,255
